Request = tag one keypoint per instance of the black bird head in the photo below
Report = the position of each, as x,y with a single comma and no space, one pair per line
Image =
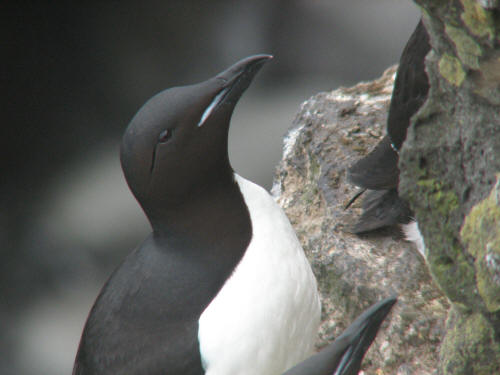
176,144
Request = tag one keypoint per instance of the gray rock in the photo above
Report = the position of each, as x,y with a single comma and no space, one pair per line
449,166
332,131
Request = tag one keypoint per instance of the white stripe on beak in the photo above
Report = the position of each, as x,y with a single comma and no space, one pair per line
212,106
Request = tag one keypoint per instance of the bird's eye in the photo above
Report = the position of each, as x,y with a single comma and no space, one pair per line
165,136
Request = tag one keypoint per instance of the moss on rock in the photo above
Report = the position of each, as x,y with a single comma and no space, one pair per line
469,346
449,164
481,235
479,21
451,69
452,271
441,199
468,51
454,275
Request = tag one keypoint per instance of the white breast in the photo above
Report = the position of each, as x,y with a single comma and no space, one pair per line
266,316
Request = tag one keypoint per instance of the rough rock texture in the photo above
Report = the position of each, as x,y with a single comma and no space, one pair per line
449,164
331,131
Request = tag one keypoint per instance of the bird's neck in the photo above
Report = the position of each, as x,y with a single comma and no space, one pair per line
213,214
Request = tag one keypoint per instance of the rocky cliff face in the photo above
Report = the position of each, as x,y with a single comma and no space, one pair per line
331,131
450,174
449,166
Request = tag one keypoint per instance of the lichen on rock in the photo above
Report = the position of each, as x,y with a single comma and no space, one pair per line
470,346
468,51
478,20
449,165
481,235
451,69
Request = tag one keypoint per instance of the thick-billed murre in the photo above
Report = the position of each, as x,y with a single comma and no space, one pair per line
378,171
221,285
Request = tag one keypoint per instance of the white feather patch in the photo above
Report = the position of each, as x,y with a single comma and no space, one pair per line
412,233
266,316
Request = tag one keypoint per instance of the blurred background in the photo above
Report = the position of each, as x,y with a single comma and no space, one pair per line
72,77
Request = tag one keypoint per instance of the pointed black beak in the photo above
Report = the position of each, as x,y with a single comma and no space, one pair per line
238,77
345,354
361,334
368,323
233,82
243,69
